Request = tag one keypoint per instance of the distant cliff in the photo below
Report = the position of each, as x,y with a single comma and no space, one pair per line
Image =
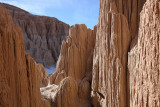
42,35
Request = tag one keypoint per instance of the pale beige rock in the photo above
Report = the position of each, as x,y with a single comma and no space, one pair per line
64,95
49,91
144,60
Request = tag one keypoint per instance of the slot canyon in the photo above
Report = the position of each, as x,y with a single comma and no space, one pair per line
115,64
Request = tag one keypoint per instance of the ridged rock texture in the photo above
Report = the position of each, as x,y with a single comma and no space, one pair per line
114,84
116,64
19,76
74,69
42,35
129,8
144,59
117,27
110,61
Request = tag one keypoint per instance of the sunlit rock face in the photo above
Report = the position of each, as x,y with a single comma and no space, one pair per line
117,28
113,83
129,8
19,74
144,59
114,65
42,35
74,70
110,61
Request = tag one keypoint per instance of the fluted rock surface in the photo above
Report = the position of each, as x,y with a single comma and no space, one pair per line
144,59
110,61
42,35
116,36
129,8
77,52
19,76
74,69
92,65
117,32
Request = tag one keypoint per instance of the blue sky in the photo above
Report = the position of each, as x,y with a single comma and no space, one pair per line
69,11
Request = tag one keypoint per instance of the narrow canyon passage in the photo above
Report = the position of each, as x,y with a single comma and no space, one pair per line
115,64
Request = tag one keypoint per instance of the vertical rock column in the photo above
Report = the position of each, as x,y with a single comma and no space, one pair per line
129,8
19,78
77,53
110,57
74,69
144,59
